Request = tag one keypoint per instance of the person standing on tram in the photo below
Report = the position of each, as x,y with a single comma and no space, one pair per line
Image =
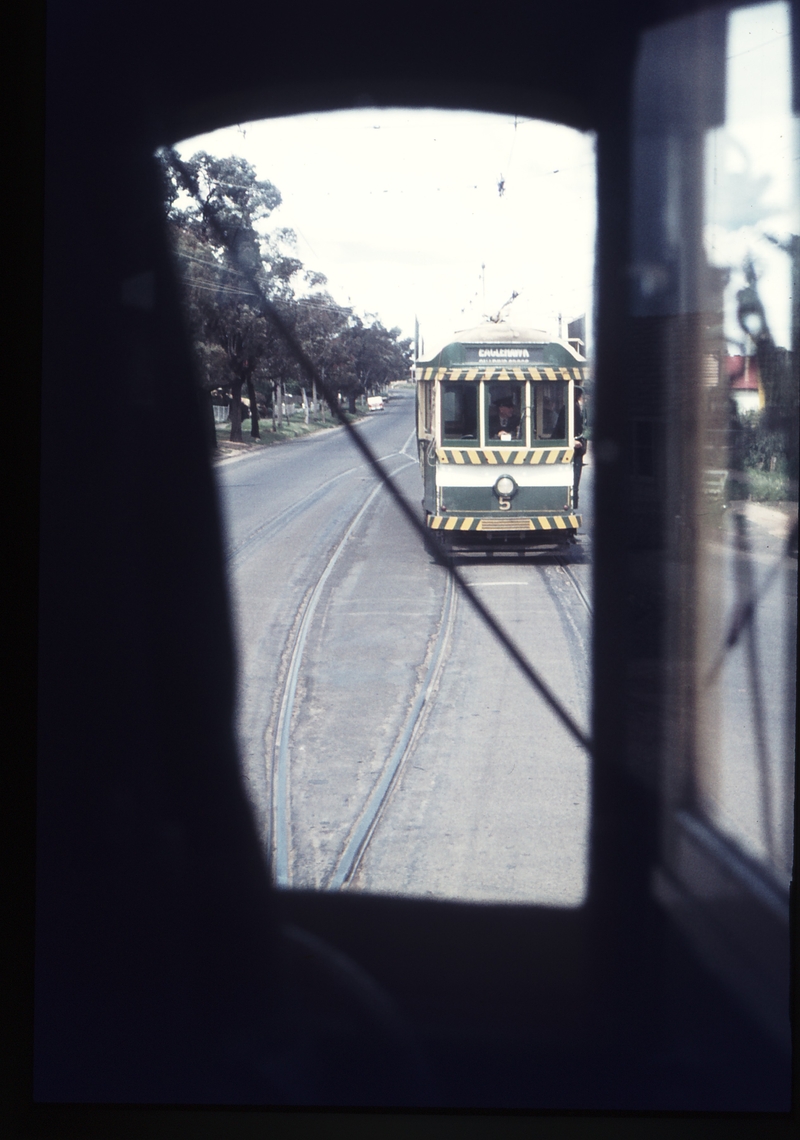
560,432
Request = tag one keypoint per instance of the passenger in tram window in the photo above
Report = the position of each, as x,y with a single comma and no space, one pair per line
503,419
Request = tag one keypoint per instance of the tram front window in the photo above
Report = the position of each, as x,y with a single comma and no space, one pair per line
459,413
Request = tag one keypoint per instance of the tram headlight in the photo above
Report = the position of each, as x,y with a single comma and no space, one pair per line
505,487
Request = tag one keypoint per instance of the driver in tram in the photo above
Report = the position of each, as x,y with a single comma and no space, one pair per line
503,419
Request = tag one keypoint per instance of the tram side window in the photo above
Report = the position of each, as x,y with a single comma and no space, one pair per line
549,410
427,407
459,412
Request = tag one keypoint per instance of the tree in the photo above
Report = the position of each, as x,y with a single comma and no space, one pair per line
319,324
222,308
228,262
376,356
774,433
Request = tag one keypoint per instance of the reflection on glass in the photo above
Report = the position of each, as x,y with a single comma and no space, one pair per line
550,412
459,413
745,779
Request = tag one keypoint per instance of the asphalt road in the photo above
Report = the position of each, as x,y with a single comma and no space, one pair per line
388,743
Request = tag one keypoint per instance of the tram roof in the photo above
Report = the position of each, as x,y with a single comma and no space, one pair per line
502,343
492,332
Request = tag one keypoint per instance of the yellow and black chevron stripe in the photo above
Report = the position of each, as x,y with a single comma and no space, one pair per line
451,375
508,455
553,522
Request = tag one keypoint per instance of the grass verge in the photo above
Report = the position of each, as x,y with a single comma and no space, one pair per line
767,486
295,428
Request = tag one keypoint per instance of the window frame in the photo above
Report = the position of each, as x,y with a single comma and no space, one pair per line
447,964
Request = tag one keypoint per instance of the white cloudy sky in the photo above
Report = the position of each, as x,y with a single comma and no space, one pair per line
752,165
402,210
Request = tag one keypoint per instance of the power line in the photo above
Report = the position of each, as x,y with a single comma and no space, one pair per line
219,289
231,289
211,264
756,47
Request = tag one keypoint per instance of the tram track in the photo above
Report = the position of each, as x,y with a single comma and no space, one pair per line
361,834
450,823
368,818
271,526
279,840
363,818
563,565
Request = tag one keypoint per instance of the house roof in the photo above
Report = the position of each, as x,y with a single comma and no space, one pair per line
743,373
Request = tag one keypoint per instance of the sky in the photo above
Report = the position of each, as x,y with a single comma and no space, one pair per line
442,216
752,171
402,210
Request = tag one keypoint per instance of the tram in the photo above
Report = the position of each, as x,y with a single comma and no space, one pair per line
496,438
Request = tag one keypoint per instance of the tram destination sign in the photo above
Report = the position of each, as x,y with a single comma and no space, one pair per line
511,354
519,354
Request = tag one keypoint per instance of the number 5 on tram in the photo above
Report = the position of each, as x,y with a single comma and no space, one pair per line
496,432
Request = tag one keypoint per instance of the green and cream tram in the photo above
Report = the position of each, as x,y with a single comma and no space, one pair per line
495,430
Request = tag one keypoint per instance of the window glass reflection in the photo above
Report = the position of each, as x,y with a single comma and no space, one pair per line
745,782
459,413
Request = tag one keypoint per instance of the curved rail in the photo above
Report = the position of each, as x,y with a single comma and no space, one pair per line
367,820
562,562
279,840
268,526
366,824
364,828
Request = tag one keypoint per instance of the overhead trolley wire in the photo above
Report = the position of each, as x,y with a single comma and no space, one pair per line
316,302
